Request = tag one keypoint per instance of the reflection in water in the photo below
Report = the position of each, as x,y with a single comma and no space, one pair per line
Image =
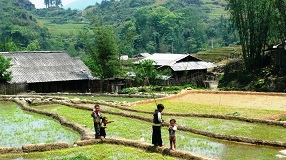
18,128
199,145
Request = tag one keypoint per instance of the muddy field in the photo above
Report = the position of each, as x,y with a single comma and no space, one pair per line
269,101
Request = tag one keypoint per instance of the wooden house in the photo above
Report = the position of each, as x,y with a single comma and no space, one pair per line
181,65
277,54
49,71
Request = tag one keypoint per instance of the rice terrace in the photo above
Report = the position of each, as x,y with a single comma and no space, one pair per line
211,125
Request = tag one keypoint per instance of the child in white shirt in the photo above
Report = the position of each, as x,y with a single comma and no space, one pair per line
172,133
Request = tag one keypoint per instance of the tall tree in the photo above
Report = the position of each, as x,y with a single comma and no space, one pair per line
253,19
107,53
281,18
103,50
146,72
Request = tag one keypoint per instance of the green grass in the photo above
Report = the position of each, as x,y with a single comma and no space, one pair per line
57,30
140,130
19,127
94,152
218,54
282,118
185,107
216,10
229,127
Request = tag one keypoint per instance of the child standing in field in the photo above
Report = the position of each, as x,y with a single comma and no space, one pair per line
102,128
172,133
97,116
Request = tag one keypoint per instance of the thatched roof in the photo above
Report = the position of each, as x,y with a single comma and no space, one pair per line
46,66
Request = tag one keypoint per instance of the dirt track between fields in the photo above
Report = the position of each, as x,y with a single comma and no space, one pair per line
254,100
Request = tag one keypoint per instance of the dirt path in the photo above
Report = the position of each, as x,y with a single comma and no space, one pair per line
269,101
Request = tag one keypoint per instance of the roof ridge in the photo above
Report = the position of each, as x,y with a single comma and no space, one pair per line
36,52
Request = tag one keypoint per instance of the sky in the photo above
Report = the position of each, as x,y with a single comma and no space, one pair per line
40,3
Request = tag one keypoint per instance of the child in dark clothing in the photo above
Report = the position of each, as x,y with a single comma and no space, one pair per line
97,116
102,128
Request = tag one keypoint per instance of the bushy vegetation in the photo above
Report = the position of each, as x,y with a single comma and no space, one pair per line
59,15
156,89
5,64
165,26
282,118
268,79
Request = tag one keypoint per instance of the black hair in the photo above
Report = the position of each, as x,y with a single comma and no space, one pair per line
173,120
97,105
103,118
160,106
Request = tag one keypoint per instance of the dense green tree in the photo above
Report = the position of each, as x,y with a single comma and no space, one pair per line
5,64
281,18
128,36
160,30
146,72
107,53
102,48
7,45
34,46
253,19
175,26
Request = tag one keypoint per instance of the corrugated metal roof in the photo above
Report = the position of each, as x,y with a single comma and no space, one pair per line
173,61
33,67
182,66
145,54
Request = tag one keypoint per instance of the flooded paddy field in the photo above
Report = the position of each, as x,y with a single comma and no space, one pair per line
19,127
130,128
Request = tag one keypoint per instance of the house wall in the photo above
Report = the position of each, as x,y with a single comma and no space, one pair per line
15,88
279,58
65,86
195,77
190,74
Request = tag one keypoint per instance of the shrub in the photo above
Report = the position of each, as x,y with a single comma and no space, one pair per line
282,119
143,89
128,91
157,88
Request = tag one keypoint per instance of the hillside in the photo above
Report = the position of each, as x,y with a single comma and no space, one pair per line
124,10
15,12
18,27
219,55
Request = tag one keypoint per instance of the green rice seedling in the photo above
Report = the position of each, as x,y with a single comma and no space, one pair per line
19,127
129,128
185,107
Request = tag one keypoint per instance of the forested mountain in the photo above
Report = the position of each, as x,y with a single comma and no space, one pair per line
18,28
181,26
